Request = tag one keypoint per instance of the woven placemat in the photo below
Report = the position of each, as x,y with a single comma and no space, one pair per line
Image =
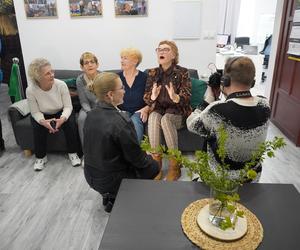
251,240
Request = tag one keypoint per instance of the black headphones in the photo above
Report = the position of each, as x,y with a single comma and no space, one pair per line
226,79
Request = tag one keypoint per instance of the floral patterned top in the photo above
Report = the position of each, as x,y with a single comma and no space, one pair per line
179,76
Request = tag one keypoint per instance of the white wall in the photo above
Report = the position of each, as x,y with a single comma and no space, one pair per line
274,48
62,40
256,19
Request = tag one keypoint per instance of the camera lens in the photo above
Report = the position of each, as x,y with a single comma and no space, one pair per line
214,80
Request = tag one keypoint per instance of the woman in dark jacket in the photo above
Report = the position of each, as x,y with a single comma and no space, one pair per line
111,148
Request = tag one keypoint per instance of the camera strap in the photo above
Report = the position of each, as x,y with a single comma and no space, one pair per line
241,94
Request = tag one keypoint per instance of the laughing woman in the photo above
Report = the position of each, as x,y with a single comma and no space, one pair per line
134,82
168,92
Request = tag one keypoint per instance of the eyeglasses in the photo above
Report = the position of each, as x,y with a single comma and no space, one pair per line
123,87
89,62
49,73
165,50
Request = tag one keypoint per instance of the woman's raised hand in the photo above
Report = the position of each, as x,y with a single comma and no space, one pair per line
155,91
173,96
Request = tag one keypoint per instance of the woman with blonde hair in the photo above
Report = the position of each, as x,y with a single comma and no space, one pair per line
51,110
134,82
89,65
111,150
168,92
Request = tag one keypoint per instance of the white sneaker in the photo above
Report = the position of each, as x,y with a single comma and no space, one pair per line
75,160
39,163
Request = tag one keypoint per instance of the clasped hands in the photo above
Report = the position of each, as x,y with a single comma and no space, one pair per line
58,122
156,90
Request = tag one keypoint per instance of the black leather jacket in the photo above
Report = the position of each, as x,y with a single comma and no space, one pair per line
111,147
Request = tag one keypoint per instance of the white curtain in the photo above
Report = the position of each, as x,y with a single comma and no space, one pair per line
228,17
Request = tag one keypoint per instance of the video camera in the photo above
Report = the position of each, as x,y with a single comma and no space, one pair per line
214,80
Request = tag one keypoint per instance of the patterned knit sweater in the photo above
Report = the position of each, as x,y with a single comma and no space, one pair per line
246,122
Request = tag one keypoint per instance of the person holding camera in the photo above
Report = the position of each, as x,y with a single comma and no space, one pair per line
51,110
244,117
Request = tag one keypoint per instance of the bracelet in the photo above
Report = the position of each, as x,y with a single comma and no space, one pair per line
177,99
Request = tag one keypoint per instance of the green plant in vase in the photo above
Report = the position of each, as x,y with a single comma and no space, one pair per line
223,211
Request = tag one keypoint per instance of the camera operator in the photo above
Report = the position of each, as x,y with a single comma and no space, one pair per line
243,116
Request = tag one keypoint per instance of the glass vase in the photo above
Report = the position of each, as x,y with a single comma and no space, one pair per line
218,205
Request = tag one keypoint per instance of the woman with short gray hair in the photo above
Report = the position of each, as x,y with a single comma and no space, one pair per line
51,110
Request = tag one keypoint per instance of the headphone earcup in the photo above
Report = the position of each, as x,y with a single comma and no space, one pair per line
225,80
253,83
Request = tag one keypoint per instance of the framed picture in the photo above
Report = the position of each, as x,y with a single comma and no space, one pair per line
131,8
85,8
40,8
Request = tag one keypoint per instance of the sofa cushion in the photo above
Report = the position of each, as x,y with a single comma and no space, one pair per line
198,91
71,82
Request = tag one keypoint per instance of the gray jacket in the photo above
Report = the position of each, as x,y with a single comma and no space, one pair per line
87,98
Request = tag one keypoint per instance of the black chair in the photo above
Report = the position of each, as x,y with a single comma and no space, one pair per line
243,40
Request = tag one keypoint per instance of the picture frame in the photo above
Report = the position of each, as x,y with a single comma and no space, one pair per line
85,8
40,8
131,7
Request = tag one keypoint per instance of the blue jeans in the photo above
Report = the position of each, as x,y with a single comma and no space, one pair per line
138,125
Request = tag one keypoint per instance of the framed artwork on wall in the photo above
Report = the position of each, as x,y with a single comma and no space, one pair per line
40,8
131,7
85,8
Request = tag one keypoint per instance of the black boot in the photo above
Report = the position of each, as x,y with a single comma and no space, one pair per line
105,199
108,207
108,202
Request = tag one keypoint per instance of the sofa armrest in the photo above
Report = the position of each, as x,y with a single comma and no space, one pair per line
14,116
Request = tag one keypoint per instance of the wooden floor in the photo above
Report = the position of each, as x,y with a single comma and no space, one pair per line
51,209
55,208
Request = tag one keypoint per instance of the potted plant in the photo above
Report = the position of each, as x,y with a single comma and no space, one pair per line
223,211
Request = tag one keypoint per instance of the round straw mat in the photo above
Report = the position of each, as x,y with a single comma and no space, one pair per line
251,240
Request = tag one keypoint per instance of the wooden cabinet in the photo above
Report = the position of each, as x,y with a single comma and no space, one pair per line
285,94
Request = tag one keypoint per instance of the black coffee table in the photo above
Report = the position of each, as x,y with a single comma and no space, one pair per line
147,214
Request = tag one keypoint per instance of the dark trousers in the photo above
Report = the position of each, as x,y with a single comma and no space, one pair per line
110,182
40,134
107,184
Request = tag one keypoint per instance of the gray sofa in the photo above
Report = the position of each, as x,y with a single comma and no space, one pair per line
188,142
